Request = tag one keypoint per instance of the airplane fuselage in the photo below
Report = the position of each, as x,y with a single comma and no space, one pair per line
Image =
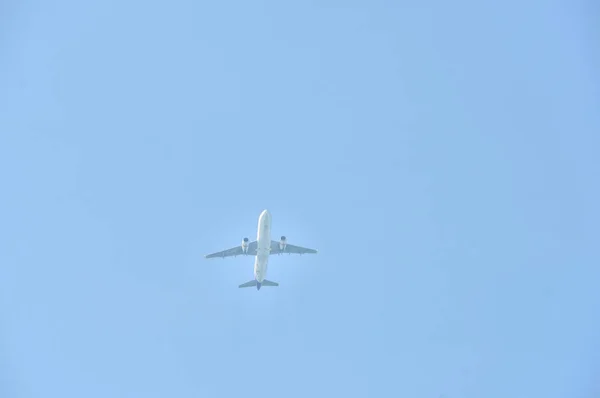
263,247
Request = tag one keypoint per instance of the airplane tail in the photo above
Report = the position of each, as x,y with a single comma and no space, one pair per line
258,285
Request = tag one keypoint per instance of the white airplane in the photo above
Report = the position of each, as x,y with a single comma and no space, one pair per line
262,248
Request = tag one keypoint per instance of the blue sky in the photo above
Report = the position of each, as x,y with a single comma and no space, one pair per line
442,157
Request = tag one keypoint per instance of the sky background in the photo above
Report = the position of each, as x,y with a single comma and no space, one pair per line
441,156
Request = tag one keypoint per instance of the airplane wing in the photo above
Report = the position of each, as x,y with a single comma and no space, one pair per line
290,249
235,251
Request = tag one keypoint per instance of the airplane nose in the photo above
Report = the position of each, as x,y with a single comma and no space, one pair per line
265,215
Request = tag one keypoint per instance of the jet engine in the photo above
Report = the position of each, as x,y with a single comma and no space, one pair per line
245,245
282,243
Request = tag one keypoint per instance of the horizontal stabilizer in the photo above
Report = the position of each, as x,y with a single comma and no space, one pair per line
249,284
258,285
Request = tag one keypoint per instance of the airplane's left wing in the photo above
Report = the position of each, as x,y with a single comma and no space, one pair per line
276,248
235,251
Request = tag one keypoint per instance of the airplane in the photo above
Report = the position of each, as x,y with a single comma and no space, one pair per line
261,249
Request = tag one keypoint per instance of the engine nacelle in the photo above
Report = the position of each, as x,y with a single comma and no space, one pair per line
245,245
282,243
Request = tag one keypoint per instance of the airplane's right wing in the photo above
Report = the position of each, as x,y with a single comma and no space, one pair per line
290,249
235,251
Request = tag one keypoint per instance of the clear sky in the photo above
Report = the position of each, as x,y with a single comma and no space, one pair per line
441,156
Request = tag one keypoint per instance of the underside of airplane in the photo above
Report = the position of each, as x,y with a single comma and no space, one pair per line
262,248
